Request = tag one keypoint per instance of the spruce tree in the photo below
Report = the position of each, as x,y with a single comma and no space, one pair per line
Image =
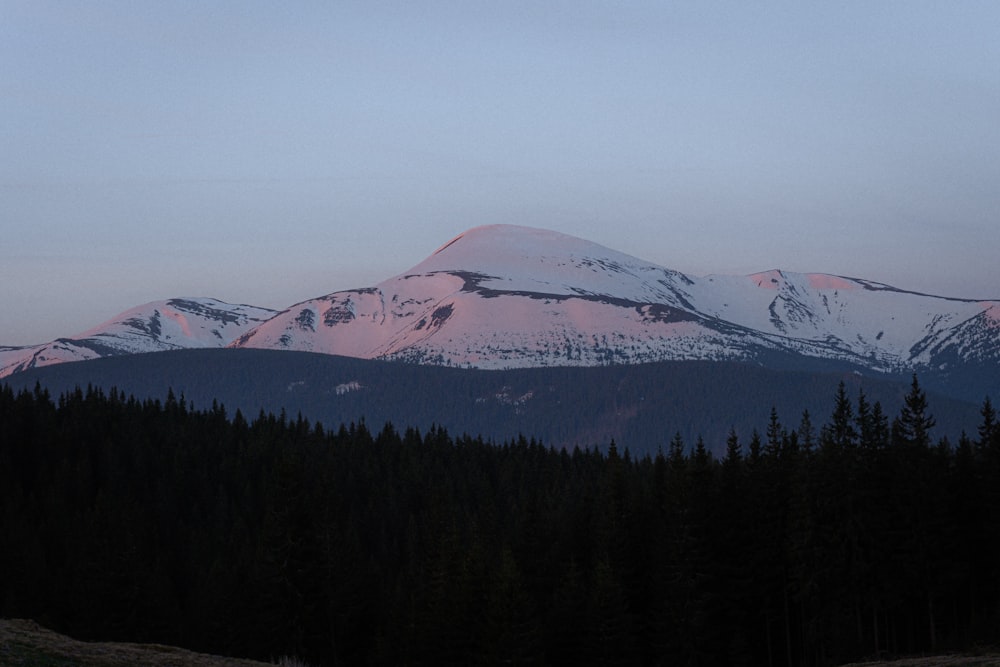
989,430
840,433
914,423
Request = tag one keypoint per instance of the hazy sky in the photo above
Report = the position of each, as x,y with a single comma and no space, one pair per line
267,153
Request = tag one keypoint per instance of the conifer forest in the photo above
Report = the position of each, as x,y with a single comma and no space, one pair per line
815,540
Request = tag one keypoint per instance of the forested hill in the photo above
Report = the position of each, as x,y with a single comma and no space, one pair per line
818,543
643,405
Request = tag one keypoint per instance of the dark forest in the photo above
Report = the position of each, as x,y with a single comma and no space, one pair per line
815,541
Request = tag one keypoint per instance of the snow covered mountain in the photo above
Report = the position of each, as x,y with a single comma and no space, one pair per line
153,327
503,296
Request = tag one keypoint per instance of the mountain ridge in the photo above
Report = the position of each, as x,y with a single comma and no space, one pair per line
507,296
168,324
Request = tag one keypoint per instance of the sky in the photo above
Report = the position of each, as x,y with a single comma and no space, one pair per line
268,153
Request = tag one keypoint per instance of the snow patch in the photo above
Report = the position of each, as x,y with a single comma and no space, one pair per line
992,313
823,281
181,321
772,279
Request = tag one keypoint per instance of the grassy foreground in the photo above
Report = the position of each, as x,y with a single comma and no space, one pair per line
25,643
984,660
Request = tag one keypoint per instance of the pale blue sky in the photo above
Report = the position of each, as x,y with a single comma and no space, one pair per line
267,153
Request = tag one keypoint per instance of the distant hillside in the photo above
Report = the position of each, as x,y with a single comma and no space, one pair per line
640,406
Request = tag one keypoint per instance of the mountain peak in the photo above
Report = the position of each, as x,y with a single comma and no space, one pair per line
527,260
508,247
509,234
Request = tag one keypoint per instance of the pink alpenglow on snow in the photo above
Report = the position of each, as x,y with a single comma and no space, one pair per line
824,281
153,327
992,312
505,296
501,296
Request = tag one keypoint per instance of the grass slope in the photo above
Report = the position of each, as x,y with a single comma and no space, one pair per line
26,643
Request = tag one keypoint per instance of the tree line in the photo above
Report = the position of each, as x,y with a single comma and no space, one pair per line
807,543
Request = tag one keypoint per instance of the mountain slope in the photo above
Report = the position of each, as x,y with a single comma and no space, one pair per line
153,327
503,296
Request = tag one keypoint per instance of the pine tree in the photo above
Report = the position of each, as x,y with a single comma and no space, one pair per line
864,421
989,430
918,510
840,433
734,451
675,453
914,423
806,433
755,447
775,436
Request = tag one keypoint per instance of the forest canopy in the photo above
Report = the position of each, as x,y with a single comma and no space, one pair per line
814,541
